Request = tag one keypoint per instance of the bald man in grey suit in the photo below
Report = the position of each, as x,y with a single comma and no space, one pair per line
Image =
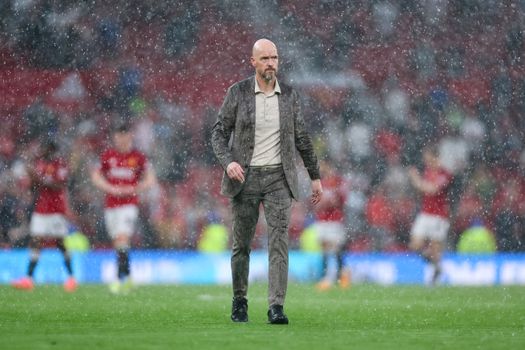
259,131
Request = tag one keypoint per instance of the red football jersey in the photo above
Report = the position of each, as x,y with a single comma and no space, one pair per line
122,169
50,200
437,204
331,207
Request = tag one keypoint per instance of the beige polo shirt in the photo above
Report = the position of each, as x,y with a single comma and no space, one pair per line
267,150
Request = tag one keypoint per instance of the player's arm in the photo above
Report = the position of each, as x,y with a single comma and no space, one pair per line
59,179
100,182
56,180
33,175
425,186
148,180
56,185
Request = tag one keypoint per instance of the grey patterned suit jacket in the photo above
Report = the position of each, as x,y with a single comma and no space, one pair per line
233,134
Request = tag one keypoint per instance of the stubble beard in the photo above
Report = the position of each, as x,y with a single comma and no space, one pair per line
268,76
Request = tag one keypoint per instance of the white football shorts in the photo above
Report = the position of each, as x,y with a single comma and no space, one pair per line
121,220
432,227
48,225
330,232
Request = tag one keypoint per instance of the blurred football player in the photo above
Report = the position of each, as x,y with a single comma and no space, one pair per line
49,175
430,228
123,174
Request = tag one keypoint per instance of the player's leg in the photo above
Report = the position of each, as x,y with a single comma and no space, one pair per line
325,258
434,229
39,226
323,237
417,245
26,282
333,238
120,223
34,255
122,284
121,244
57,228
70,285
418,235
435,249
438,237
66,255
437,234
344,274
325,247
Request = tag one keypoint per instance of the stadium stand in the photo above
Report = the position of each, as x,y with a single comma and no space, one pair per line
381,79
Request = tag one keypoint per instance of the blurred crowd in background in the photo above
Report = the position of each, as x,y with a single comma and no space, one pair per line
380,80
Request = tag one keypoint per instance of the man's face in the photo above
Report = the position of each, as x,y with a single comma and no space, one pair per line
265,61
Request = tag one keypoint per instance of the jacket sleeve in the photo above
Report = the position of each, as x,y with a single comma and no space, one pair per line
223,128
303,141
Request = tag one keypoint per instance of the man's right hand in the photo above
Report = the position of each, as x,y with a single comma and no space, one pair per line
235,171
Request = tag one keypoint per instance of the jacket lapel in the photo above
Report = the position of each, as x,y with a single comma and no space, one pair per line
250,98
283,111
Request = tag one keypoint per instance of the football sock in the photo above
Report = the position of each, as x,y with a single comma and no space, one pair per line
437,272
123,263
67,262
67,257
31,268
324,265
339,260
33,261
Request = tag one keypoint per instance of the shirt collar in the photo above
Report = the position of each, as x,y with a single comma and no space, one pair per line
277,88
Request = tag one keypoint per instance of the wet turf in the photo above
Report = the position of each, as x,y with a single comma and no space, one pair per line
197,317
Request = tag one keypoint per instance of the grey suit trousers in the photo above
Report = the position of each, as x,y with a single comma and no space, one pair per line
266,185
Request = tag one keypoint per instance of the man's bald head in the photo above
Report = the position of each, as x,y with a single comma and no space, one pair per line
263,45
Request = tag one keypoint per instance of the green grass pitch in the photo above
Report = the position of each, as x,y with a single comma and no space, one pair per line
197,317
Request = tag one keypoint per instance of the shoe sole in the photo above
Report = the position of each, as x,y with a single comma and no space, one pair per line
278,322
239,320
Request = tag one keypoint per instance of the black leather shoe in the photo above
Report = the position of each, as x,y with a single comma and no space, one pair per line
240,310
276,315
